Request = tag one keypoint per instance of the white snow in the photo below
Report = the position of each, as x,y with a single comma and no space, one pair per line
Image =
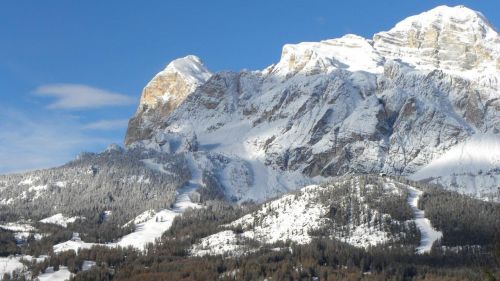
50,275
9,264
13,263
21,231
60,184
350,52
74,244
288,218
28,180
222,243
445,14
454,27
18,227
466,166
479,153
88,265
191,68
6,201
60,219
151,225
428,233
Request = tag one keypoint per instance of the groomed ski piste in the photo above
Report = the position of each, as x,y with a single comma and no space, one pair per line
428,234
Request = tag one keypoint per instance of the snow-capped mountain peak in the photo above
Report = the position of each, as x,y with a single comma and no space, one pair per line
190,68
457,40
349,52
461,20
347,105
166,91
175,82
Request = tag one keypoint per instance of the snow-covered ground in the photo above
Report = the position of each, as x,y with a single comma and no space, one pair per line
21,231
87,265
50,275
287,218
469,167
290,218
225,242
74,244
18,227
149,225
59,219
152,229
9,264
428,233
13,263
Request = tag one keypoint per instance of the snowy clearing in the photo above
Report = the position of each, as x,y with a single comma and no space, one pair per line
51,275
149,225
13,263
59,219
9,264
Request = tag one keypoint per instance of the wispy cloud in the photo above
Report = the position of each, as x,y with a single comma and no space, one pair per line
33,142
115,124
76,96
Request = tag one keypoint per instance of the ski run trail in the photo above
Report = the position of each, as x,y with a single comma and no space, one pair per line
149,225
428,233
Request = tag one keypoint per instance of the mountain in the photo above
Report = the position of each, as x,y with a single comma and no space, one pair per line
165,92
394,104
348,157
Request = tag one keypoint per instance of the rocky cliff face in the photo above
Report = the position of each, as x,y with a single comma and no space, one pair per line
348,105
163,94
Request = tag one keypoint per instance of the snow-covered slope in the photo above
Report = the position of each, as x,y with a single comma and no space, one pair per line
347,105
62,274
149,226
470,167
428,234
60,219
148,230
345,209
10,264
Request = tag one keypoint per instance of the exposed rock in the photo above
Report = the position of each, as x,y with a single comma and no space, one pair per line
346,105
165,92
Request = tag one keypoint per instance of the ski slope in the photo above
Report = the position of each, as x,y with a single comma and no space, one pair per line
428,233
150,225
152,229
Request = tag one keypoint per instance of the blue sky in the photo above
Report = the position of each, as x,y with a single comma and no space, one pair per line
71,72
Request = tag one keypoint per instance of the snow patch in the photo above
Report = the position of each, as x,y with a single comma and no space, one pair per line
50,275
60,219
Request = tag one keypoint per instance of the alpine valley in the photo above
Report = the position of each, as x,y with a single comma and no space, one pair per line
348,159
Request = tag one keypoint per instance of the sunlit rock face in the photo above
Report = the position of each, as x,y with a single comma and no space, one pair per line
349,105
163,94
454,39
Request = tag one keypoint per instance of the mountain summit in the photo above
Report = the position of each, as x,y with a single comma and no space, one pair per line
316,167
394,104
164,93
454,39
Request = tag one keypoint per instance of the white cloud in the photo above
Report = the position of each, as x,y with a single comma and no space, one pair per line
76,96
115,124
33,142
